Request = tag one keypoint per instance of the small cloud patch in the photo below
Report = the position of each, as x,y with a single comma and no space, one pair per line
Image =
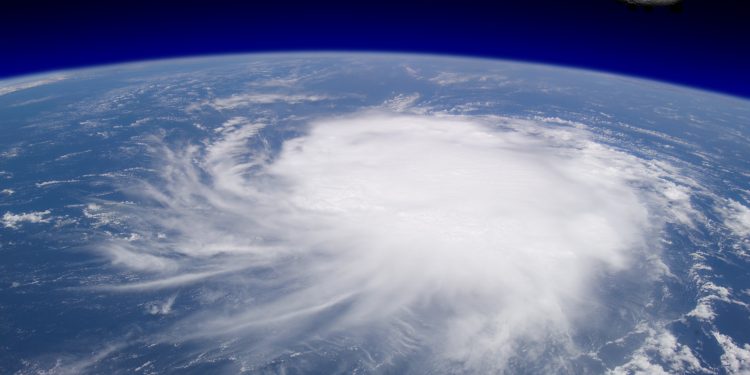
13,221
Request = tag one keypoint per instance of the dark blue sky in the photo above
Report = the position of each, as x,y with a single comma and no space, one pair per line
702,43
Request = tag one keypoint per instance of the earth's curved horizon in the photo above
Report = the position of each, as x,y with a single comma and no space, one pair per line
334,212
291,53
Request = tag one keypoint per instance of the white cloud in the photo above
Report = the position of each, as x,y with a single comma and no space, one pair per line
639,365
147,262
161,307
675,358
710,292
99,216
718,292
401,102
486,80
55,182
237,122
703,311
10,153
17,86
140,122
12,221
736,217
244,100
466,238
70,155
736,359
290,81
414,72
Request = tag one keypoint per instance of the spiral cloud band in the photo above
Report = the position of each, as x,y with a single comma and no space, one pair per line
474,244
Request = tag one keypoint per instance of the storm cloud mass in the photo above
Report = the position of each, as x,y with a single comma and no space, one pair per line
463,243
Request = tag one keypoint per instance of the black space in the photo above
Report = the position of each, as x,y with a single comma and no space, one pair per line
700,43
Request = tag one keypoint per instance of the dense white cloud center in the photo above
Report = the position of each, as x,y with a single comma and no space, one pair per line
418,208
464,236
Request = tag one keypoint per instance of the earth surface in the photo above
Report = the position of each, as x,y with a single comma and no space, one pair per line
371,213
